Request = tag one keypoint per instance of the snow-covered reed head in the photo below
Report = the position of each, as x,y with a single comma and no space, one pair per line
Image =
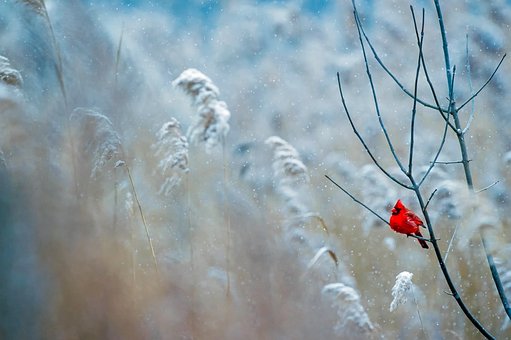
401,289
290,174
351,313
197,85
8,75
212,124
99,140
172,149
288,169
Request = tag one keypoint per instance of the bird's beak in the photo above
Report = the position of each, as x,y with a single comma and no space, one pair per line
393,210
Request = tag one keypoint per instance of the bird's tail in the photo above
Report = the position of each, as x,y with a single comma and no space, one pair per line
423,243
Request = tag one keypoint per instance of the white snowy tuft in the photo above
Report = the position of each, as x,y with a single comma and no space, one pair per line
212,125
401,289
172,147
99,139
349,309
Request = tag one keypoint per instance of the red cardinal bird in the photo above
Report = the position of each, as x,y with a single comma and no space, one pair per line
404,221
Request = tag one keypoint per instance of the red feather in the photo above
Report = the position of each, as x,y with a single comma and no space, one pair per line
405,221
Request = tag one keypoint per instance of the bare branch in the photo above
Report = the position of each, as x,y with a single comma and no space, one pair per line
450,243
484,85
432,165
446,117
487,187
450,162
466,167
414,109
469,74
384,67
444,47
358,201
430,198
442,112
362,140
375,99
421,238
496,278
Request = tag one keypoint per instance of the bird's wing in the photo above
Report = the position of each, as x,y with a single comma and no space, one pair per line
410,216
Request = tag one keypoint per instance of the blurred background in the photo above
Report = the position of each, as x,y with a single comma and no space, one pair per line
235,256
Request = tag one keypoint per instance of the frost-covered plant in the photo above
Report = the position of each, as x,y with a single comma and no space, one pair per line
172,149
99,139
290,174
350,311
8,75
288,169
212,124
401,289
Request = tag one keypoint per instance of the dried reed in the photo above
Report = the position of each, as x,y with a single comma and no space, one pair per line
350,311
172,150
212,124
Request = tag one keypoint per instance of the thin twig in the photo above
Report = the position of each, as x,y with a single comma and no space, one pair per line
430,198
384,67
439,151
484,85
446,117
421,238
415,89
487,187
358,201
445,47
450,162
375,98
471,89
450,243
375,161
496,278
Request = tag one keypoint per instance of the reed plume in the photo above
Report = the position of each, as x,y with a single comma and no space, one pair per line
99,139
401,289
172,149
290,175
351,314
212,124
